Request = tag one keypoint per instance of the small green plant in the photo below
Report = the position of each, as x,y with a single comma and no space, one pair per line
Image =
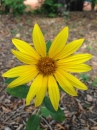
84,77
14,6
94,83
86,106
13,32
89,48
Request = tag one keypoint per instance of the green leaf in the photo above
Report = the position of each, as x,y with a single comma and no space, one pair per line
48,104
8,81
60,88
19,91
58,5
52,15
48,44
57,115
33,122
39,128
45,112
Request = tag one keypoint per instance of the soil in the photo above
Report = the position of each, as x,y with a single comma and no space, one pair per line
81,111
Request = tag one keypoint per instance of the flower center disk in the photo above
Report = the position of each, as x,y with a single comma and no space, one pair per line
46,66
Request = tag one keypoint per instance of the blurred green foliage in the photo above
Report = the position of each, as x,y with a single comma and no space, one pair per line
84,77
94,83
48,8
13,6
94,2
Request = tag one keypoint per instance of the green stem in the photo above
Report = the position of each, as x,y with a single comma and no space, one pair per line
39,113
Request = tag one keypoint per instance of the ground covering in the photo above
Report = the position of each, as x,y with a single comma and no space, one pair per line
81,111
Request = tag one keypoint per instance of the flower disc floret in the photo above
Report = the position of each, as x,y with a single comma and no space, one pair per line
46,66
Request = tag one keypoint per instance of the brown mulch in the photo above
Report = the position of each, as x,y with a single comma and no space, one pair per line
80,112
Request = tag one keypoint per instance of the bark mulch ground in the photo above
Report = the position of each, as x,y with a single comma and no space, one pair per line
81,111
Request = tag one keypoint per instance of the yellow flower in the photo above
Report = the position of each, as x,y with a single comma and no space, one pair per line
47,70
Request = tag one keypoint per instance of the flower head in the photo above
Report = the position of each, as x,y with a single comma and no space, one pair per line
48,70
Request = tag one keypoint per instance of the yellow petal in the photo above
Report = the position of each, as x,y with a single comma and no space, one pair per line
34,88
70,49
76,68
53,91
41,93
24,78
59,43
74,81
64,83
24,47
24,57
18,71
39,41
74,59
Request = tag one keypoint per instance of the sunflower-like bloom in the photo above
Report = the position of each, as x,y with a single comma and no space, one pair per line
48,70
